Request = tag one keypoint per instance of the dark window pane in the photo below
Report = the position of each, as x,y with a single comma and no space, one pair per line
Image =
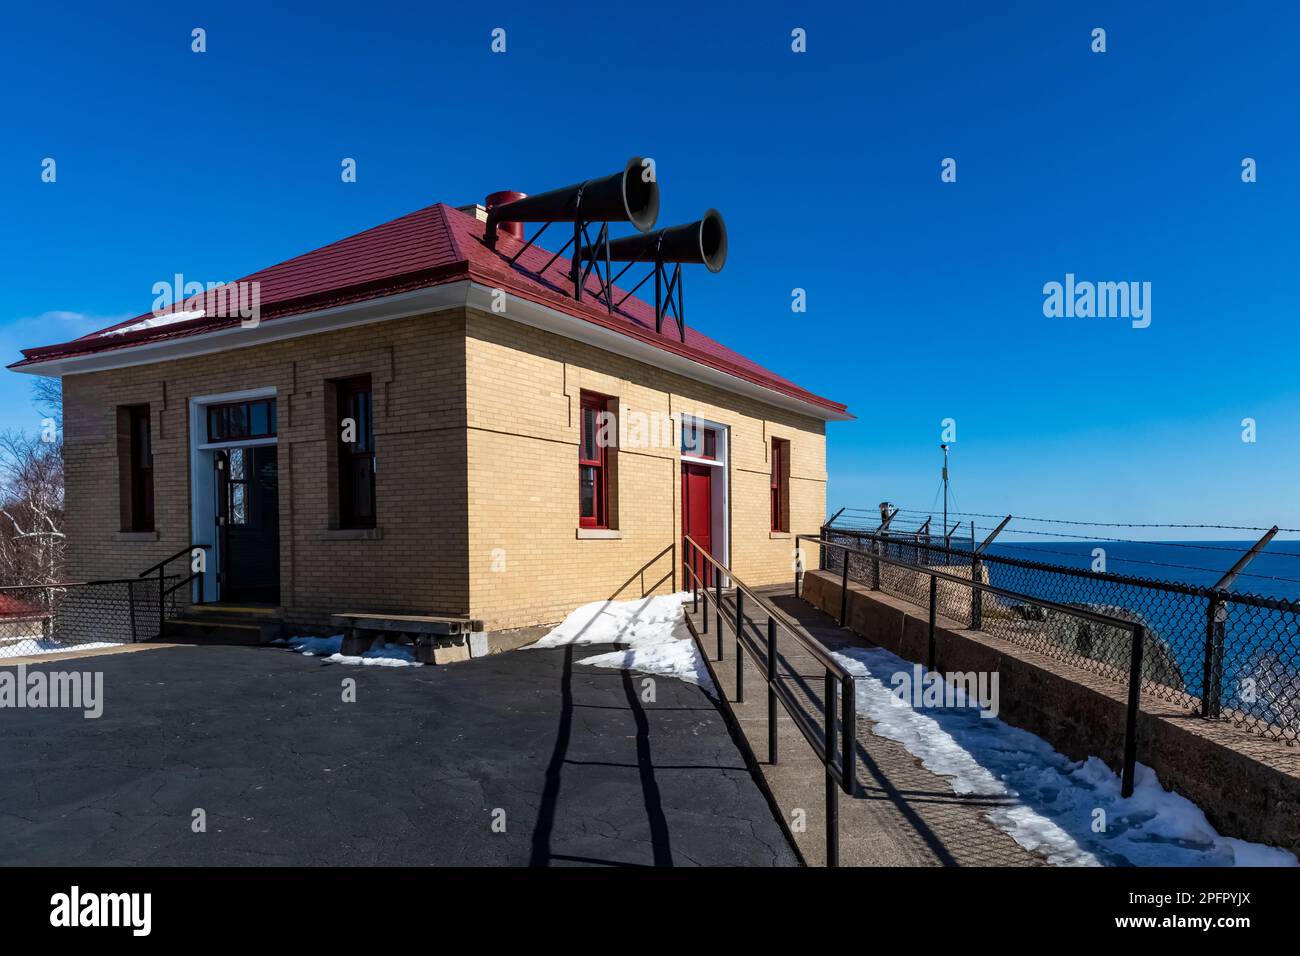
238,503
587,491
357,457
274,423
589,434
238,420
259,419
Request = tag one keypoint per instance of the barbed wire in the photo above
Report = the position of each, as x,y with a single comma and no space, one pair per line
1093,524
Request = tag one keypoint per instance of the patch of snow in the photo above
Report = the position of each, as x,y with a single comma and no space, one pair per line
381,653
156,320
44,645
653,630
1052,800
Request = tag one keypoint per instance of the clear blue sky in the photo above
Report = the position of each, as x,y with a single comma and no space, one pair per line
924,298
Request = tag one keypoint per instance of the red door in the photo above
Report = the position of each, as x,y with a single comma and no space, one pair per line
697,517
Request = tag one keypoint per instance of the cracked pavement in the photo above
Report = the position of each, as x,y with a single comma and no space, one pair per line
413,773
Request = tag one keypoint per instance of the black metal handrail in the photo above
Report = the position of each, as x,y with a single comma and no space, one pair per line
163,590
1137,628
841,776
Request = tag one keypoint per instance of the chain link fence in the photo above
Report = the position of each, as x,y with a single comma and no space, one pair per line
43,619
1223,655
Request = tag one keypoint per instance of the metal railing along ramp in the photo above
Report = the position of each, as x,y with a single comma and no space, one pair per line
874,560
836,745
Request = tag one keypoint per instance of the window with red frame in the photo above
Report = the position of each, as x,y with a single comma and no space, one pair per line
593,461
780,464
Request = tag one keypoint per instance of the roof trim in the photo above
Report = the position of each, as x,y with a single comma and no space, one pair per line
528,312
438,298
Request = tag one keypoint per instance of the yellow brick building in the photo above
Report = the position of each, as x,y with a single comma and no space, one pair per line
464,378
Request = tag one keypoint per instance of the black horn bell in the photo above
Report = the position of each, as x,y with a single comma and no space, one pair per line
624,196
703,242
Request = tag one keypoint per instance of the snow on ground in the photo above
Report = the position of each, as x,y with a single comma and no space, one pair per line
653,628
381,653
41,645
1054,799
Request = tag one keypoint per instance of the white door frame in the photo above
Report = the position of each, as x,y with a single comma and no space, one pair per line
720,505
203,485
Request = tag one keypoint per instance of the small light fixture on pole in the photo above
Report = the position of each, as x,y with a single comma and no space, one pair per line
944,446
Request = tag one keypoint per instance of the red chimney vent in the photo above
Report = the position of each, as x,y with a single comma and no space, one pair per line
515,229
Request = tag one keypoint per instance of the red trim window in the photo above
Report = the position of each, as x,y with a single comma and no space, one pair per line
593,471
780,456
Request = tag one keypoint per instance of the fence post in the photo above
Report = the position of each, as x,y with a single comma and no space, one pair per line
798,560
162,605
849,722
130,600
832,789
976,598
740,653
875,565
844,592
771,690
1211,691
934,593
689,554
1134,699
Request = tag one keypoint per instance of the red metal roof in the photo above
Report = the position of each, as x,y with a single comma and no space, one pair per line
429,247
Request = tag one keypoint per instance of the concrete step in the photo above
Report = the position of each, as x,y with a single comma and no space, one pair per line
225,624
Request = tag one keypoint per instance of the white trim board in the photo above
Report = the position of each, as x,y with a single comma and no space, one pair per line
422,302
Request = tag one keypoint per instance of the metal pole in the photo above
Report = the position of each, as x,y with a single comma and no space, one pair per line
1211,691
740,654
717,596
704,586
771,690
832,790
844,592
576,271
689,551
976,601
945,491
797,555
130,600
849,737
1134,699
934,592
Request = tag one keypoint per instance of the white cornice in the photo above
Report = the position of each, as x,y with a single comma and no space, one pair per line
423,302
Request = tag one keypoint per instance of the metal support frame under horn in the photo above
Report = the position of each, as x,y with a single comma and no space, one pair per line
665,287
578,272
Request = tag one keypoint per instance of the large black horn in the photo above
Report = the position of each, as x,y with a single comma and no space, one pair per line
703,241
623,197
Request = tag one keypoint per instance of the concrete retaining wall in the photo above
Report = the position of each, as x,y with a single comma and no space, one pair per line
1248,787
